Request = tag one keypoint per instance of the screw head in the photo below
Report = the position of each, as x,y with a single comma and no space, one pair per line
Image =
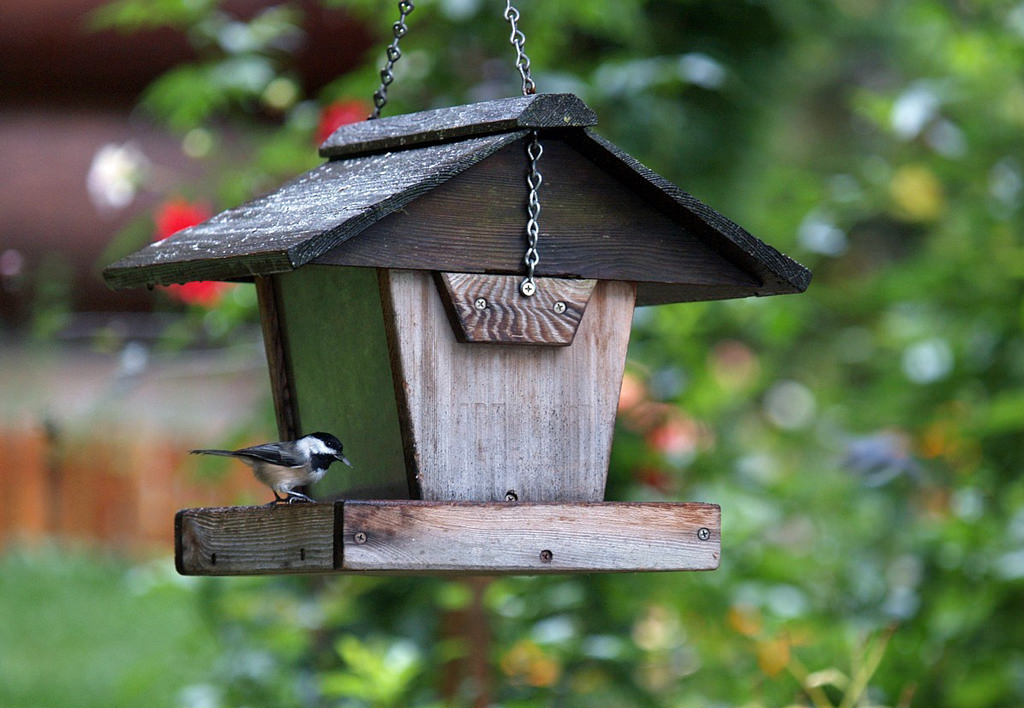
703,533
527,288
511,496
359,537
480,303
546,556
559,307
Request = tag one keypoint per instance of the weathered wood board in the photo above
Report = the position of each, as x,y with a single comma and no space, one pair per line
490,309
255,540
482,421
592,226
529,538
541,110
286,405
415,537
311,214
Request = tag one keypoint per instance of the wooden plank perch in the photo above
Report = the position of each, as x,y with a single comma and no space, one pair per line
394,536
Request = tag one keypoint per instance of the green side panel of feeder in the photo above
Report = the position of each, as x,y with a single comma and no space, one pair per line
341,369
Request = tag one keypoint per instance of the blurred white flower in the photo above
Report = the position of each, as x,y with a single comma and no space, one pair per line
603,646
701,70
133,360
928,361
1010,566
789,405
115,175
1015,529
946,138
901,603
199,695
818,234
1015,19
553,630
914,109
1005,182
402,655
969,503
460,9
614,78
786,601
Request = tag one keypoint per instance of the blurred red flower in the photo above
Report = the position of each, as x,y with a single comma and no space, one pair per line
677,436
176,214
338,114
171,217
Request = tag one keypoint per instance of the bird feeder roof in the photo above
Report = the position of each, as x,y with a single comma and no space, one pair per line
379,167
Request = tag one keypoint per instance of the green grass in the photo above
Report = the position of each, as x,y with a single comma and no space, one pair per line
80,629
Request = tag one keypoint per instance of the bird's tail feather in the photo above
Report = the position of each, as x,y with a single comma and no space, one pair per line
224,453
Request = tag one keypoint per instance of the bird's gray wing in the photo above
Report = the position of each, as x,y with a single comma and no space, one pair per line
283,454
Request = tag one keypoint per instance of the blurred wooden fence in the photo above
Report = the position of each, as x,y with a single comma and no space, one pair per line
116,493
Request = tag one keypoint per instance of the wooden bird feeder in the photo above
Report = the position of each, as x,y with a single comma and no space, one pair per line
479,420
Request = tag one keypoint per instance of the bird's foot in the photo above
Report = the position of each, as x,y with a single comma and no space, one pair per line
278,499
299,497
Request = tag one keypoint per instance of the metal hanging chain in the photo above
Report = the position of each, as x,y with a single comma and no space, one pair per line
533,180
533,151
380,96
518,39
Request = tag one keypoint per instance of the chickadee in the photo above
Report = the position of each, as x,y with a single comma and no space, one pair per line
282,466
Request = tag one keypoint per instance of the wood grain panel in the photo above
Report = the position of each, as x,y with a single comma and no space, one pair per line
418,537
489,309
480,421
274,343
591,226
307,216
541,110
415,537
254,540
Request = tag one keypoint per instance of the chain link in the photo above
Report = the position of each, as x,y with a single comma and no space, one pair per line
533,151
380,96
518,39
533,179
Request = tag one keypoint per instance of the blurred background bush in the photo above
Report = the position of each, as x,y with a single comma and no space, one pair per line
864,439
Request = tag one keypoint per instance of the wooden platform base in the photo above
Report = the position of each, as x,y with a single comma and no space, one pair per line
417,537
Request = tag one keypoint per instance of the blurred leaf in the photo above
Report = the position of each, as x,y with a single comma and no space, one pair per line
134,15
186,96
773,655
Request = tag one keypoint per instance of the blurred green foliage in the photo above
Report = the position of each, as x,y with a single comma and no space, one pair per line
78,629
863,439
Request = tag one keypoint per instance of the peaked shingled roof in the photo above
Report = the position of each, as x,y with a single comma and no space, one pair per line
378,167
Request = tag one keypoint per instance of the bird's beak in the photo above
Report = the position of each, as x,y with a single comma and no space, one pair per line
343,459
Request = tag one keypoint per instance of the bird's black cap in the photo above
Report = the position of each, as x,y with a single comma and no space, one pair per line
329,440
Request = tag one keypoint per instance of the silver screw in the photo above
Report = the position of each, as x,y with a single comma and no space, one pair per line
480,303
527,288
559,307
546,556
703,533
511,496
360,537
